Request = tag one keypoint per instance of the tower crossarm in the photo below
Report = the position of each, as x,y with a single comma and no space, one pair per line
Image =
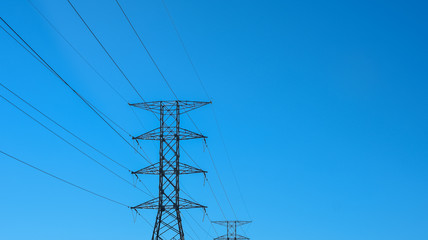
169,133
154,170
237,223
185,106
225,237
231,229
154,204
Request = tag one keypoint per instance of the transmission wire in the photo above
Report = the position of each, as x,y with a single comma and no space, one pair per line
208,96
199,225
146,49
154,62
44,63
65,129
69,143
185,48
63,180
105,50
86,61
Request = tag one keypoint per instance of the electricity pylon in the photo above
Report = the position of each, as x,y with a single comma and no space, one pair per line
169,168
231,230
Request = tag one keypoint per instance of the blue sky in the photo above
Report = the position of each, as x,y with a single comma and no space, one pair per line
322,106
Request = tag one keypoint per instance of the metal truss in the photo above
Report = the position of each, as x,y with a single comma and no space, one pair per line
169,133
155,107
183,204
168,224
184,169
231,229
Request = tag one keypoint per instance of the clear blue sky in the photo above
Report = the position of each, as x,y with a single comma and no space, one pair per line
322,104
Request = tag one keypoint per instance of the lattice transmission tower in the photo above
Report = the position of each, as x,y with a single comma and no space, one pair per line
168,224
231,229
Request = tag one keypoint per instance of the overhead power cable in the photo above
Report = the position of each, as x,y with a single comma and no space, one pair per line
199,225
86,61
230,162
76,50
145,219
221,183
117,66
69,143
108,54
160,72
72,184
153,61
208,96
146,49
185,48
29,49
191,228
211,222
65,181
209,183
65,129
71,133
95,71
150,56
105,50
155,64
169,86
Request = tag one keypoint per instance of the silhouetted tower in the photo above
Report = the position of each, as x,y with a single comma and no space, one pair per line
231,229
168,220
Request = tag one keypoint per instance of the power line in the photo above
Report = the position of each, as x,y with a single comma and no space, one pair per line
153,60
221,183
71,133
211,222
85,60
209,183
105,50
76,51
204,211
32,52
216,199
69,143
169,86
185,48
208,96
166,81
230,162
146,49
115,63
191,228
63,180
71,184
145,219
111,56
156,67
29,49
198,224
65,129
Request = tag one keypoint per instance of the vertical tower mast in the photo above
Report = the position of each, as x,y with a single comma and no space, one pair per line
231,230
168,224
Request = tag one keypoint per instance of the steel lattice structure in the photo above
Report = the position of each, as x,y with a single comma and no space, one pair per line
168,224
231,229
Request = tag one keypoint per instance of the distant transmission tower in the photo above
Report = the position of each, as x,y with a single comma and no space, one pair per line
168,224
231,229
